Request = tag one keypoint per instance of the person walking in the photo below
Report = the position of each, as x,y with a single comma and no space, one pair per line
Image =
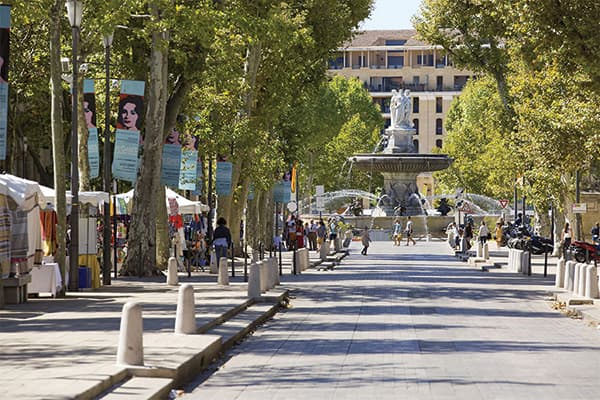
365,240
565,239
221,238
397,235
409,231
321,234
484,232
499,234
312,235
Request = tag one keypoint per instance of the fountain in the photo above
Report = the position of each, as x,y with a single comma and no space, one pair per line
399,163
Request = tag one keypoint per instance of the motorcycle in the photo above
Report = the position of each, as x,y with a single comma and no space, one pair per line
581,250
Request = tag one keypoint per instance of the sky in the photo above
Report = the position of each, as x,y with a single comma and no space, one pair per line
392,14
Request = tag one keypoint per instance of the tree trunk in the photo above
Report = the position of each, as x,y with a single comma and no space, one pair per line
141,254
163,243
58,141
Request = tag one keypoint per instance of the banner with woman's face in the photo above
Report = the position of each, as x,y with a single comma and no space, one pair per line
89,110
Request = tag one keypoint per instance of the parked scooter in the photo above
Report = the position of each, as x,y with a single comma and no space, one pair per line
581,251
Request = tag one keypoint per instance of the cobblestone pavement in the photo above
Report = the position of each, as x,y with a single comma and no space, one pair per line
412,323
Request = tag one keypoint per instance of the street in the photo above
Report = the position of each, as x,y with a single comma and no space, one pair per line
412,322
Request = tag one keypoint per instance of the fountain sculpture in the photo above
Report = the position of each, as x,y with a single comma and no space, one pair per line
399,163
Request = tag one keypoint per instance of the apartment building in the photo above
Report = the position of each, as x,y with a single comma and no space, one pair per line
394,59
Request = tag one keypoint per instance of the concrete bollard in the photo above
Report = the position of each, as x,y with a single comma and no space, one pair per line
185,319
559,280
582,279
254,280
172,277
569,275
525,264
131,344
576,271
254,255
591,282
479,252
274,271
213,263
324,251
306,261
264,277
223,278
486,251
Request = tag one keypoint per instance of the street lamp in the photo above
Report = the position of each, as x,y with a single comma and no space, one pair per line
74,12
107,40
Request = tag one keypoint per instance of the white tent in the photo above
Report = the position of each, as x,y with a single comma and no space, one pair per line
185,206
93,198
23,192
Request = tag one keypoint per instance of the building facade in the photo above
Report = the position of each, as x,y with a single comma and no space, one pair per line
394,59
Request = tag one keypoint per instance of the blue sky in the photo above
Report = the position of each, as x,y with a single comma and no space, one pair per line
392,14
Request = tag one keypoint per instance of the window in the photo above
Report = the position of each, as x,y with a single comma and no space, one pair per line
425,60
438,105
438,143
395,42
440,83
439,127
415,105
416,145
416,125
395,61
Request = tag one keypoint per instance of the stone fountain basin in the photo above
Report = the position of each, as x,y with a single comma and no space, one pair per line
407,162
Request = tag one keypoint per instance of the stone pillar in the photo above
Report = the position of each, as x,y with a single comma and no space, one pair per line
172,277
131,344
576,271
479,249
559,281
486,251
254,280
274,270
569,275
213,263
582,279
324,252
185,320
223,278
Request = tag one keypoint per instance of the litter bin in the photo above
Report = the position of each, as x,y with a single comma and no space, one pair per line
85,278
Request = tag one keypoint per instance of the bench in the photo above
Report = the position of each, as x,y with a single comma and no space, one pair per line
15,289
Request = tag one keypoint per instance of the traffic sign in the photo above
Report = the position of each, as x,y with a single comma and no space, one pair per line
503,203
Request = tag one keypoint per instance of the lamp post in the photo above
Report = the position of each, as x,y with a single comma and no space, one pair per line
107,40
74,12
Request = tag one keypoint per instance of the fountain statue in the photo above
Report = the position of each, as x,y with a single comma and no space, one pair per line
399,163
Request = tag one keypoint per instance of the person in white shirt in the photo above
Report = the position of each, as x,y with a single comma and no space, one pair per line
484,232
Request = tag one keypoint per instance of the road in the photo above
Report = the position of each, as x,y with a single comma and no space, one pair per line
412,322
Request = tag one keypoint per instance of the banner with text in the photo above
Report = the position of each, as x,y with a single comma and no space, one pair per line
223,178
89,110
4,53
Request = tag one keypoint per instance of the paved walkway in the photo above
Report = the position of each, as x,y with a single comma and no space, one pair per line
414,323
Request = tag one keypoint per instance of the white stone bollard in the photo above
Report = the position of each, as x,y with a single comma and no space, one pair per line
254,280
172,277
486,251
582,279
511,259
576,271
569,275
559,280
185,319
254,255
525,264
131,344
213,263
324,251
223,278
591,282
306,262
479,253
264,277
274,271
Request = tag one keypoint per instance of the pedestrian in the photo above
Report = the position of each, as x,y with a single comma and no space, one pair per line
312,235
397,234
484,232
596,234
221,238
365,240
321,234
499,234
451,234
467,236
565,239
299,234
408,231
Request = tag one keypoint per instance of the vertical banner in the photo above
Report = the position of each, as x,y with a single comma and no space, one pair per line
4,52
127,135
199,182
282,193
223,178
89,110
171,160
189,164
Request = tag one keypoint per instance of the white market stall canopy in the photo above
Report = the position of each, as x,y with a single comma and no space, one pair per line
185,206
25,193
93,198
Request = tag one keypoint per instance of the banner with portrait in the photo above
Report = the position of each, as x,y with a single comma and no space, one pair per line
4,53
127,134
189,163
89,110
